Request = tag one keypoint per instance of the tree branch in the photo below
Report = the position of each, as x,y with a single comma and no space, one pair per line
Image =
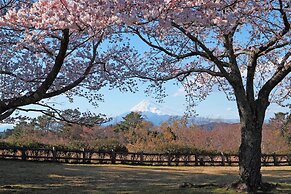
190,54
278,36
274,47
81,78
59,116
3,72
182,73
56,69
5,5
279,75
42,89
209,54
6,114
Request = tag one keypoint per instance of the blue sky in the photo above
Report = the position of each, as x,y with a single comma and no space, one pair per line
215,106
115,103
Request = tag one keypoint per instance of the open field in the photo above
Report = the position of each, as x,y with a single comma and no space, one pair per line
37,177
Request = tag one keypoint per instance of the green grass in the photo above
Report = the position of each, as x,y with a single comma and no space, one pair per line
35,177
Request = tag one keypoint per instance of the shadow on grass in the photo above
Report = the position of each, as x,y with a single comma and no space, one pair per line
33,177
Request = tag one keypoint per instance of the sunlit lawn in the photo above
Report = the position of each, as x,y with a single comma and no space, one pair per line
36,177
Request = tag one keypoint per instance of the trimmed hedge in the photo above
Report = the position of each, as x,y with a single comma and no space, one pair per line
99,145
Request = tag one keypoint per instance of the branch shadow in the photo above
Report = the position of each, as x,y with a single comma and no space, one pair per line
35,177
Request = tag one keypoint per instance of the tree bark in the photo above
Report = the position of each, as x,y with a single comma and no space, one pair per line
251,120
250,156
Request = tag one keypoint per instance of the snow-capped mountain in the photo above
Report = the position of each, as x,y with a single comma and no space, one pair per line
152,107
157,114
151,111
146,106
154,118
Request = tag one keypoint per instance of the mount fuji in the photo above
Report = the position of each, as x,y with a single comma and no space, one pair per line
155,108
151,111
157,114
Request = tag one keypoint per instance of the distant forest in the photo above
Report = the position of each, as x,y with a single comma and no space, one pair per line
135,134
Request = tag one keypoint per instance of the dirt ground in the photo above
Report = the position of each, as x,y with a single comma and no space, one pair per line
38,177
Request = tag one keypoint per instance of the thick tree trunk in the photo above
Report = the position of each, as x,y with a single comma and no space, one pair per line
250,155
251,120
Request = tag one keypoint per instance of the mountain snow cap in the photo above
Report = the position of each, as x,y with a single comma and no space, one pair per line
148,106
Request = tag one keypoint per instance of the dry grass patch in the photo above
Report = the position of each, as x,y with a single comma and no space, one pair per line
35,177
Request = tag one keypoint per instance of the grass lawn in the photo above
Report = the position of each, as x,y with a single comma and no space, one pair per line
36,177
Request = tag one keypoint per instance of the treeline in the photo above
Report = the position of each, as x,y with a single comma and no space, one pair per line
135,134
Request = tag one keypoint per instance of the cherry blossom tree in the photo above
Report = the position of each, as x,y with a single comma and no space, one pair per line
240,47
53,47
